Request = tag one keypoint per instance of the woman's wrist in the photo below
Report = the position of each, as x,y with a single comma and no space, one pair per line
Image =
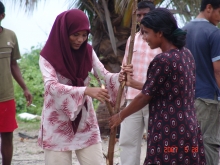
119,115
86,91
132,83
136,84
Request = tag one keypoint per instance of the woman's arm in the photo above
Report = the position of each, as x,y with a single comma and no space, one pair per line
128,71
97,93
61,96
133,83
139,102
110,79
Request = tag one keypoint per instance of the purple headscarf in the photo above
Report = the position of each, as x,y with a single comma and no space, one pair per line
70,63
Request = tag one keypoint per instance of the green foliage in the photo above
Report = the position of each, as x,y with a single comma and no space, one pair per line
94,82
32,76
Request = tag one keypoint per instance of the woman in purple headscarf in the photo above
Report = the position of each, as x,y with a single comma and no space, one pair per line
68,119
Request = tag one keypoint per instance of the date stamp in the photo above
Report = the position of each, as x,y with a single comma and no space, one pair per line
174,149
193,149
170,149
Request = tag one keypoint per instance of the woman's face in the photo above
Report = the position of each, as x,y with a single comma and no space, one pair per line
153,39
77,39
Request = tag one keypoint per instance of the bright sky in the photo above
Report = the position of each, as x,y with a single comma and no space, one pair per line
32,29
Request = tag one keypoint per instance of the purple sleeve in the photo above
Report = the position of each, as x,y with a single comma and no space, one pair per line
157,75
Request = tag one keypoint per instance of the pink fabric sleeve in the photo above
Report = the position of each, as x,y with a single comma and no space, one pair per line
59,92
111,79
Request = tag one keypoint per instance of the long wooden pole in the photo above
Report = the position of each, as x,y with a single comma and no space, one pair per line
111,146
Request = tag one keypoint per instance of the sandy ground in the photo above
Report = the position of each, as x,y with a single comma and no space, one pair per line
26,151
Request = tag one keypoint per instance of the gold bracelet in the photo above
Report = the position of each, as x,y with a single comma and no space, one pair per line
119,115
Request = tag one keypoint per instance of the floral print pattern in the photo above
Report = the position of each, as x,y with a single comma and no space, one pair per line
62,104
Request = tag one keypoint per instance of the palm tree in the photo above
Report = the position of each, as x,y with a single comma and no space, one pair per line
111,22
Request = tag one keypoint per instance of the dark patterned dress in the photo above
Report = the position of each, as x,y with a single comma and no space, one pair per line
174,136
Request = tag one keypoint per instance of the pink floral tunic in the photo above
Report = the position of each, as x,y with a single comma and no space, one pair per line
62,104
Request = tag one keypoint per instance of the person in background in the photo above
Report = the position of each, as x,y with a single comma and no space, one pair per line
174,135
132,128
203,40
69,120
9,53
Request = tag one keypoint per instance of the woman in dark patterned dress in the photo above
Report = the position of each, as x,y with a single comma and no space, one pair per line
174,136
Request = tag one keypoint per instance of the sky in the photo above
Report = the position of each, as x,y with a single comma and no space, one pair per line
32,29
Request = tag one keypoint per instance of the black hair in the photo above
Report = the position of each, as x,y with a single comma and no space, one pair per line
2,8
162,20
146,4
215,4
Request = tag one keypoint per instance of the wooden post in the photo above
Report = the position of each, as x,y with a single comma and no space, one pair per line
111,146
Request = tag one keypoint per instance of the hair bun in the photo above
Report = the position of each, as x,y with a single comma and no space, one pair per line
178,32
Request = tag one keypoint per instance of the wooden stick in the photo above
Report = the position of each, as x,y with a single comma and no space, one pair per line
110,155
108,105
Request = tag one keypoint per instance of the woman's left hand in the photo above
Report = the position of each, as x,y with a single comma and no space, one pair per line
121,76
127,68
126,74
114,121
